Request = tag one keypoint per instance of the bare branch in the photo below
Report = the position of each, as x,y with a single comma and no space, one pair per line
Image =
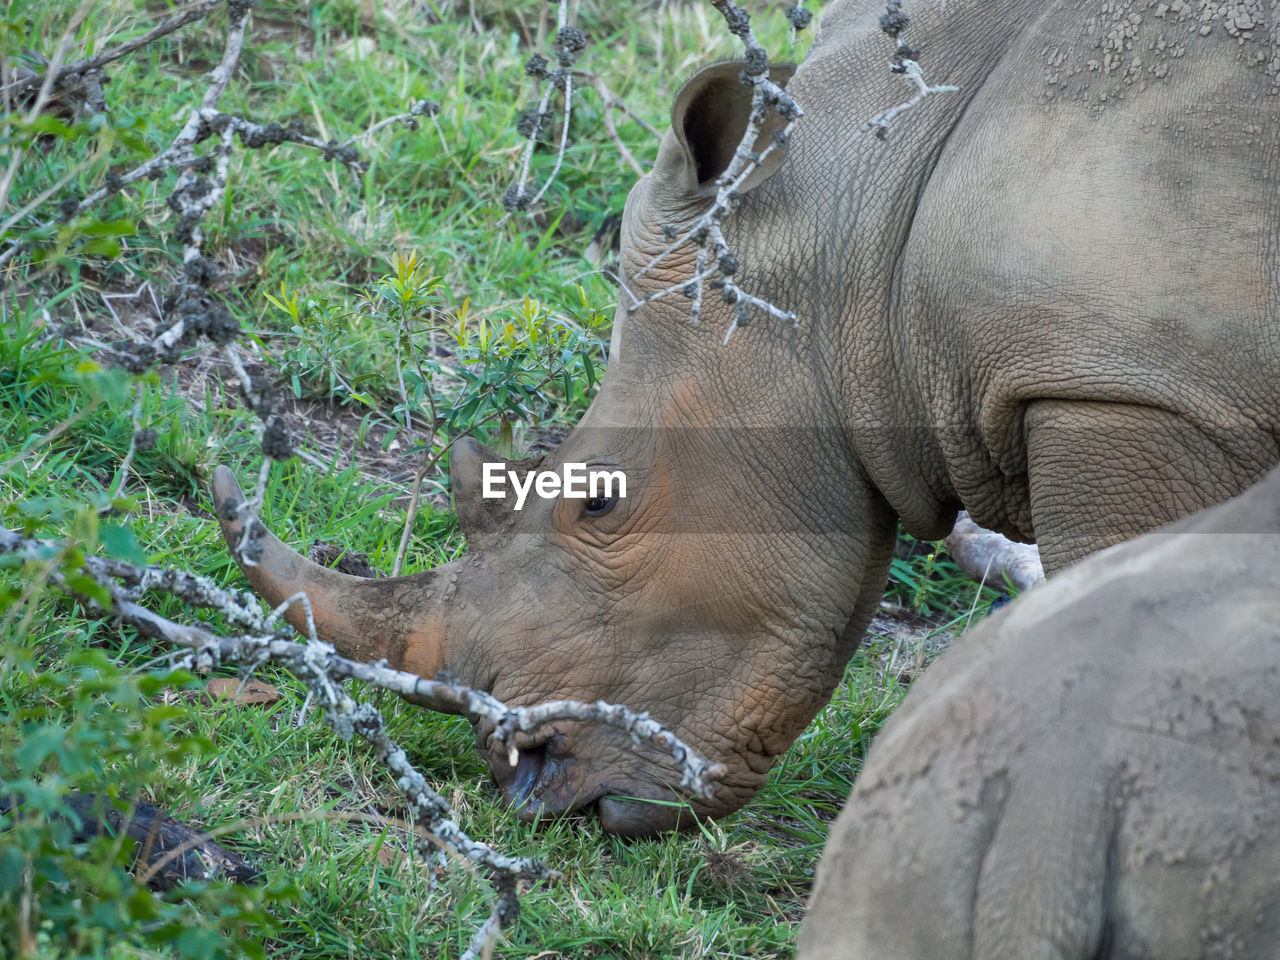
714,258
60,78
323,671
992,559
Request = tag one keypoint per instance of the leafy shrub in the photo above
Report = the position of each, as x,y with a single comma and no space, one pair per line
93,725
445,374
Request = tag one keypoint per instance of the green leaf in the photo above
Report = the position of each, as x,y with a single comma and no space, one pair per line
121,543
109,228
38,745
102,247
50,125
12,864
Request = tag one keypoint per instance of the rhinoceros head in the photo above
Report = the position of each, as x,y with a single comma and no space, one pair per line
723,593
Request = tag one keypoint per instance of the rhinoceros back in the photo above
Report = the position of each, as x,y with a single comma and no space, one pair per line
1103,226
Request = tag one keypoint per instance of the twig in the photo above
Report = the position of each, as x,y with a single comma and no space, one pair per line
893,22
415,498
268,639
144,439
611,102
323,671
409,119
206,120
570,41
59,78
564,140
881,121
46,88
714,258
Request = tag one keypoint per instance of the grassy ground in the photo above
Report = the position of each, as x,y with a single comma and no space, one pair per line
735,889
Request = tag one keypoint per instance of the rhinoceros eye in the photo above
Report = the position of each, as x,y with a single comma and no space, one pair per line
598,506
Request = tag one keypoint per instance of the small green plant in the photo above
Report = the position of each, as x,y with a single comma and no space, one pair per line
93,725
448,375
328,358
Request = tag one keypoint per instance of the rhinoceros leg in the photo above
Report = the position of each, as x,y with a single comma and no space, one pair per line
966,838
1102,473
1043,884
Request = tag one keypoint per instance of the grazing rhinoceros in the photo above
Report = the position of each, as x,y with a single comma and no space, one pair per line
1092,773
1050,298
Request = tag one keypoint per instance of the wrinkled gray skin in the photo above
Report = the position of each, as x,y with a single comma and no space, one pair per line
1049,298
1091,774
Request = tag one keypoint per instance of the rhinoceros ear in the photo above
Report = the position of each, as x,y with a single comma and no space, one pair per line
708,119
481,517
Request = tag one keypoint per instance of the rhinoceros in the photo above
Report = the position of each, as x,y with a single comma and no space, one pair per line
1049,298
1092,772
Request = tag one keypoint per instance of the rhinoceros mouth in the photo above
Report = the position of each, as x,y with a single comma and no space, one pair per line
541,784
550,779
528,773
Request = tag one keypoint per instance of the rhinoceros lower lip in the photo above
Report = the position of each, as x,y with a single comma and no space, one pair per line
541,785
529,770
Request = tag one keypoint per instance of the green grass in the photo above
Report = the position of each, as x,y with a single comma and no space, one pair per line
734,889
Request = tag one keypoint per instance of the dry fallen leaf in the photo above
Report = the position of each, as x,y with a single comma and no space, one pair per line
254,692
388,855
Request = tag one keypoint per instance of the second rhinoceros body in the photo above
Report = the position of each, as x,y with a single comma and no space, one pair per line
1093,773
1050,297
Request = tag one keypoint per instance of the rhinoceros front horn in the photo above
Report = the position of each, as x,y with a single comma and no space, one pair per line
399,618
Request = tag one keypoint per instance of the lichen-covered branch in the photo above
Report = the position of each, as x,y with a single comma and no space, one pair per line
715,262
323,671
569,43
192,310
893,22
195,194
74,73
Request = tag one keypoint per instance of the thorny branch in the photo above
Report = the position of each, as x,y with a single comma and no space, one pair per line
204,121
715,263
191,309
67,76
570,42
323,672
893,21
714,258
